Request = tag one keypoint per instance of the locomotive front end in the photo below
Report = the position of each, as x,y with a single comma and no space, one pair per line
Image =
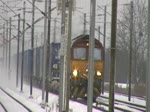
79,68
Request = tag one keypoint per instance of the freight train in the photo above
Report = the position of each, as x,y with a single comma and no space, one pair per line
79,67
55,63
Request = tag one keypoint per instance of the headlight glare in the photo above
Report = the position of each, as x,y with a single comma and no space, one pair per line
86,70
99,73
75,73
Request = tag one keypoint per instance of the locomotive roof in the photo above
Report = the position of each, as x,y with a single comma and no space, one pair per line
81,36
84,37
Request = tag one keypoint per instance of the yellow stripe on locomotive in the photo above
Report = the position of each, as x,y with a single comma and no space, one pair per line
80,68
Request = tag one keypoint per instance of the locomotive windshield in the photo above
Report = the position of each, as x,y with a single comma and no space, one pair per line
97,54
79,53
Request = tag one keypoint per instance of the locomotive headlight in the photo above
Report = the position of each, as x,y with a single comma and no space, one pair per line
99,73
86,70
75,73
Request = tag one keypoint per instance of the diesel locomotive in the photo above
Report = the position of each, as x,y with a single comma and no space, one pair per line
79,67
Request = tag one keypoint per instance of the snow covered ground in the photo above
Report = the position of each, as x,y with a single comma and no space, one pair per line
9,85
134,100
34,103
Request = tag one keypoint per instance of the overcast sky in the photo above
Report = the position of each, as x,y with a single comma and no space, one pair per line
82,6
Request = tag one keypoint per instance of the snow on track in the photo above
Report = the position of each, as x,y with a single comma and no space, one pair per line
10,104
2,109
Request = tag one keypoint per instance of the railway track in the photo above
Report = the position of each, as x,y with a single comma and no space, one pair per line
84,102
123,94
2,108
102,104
10,104
121,105
103,107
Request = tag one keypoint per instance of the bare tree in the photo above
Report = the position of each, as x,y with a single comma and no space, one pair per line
139,47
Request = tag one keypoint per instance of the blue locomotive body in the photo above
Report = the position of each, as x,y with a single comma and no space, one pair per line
55,60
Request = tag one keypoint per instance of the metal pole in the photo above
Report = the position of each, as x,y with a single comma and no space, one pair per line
99,30
32,48
62,73
91,56
130,55
7,47
3,36
41,57
34,54
68,53
9,61
104,39
148,64
23,35
18,45
84,27
3,46
45,53
48,73
113,55
54,36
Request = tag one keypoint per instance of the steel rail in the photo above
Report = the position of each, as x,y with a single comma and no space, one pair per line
16,100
